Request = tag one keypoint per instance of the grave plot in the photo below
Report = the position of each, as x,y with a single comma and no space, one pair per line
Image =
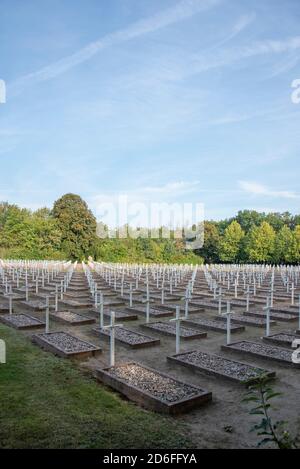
206,304
154,312
280,317
259,301
219,366
169,329
259,350
65,345
283,339
15,296
172,307
126,298
212,325
119,315
247,320
74,319
35,305
239,303
285,309
77,289
168,297
21,321
76,304
152,389
77,295
129,338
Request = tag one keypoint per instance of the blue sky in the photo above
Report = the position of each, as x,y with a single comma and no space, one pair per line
171,101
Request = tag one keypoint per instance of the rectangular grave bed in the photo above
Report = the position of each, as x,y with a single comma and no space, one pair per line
247,320
156,313
21,321
285,309
172,307
280,317
78,296
119,315
35,305
282,339
65,345
77,288
76,304
74,319
212,325
152,389
129,338
216,365
260,350
206,305
169,329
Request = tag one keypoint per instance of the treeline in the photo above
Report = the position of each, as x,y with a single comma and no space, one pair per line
68,231
253,237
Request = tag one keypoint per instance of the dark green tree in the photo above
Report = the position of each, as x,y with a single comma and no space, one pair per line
77,225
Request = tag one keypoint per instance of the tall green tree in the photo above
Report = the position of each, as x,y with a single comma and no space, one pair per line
296,236
77,225
249,218
210,249
230,244
261,243
284,245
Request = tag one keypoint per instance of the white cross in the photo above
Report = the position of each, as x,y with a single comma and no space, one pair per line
177,321
228,316
47,314
293,294
130,295
112,327
248,295
267,309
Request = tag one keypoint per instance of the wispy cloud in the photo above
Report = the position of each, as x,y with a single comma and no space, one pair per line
181,11
258,189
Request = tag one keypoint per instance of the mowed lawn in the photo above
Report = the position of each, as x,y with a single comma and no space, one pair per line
47,402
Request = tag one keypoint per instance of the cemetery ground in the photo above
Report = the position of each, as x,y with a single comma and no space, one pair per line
48,401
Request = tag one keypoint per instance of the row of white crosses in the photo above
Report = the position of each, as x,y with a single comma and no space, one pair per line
252,277
32,269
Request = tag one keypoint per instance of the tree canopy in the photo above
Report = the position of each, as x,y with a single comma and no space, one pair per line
68,231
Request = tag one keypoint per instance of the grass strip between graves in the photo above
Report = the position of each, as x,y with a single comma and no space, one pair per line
48,402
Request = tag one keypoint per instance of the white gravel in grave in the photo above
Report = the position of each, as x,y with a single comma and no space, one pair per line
66,342
171,328
128,336
69,316
263,349
162,387
222,365
21,320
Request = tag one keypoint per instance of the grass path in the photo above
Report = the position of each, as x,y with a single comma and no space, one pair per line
47,402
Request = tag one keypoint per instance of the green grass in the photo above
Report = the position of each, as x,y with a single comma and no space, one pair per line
47,402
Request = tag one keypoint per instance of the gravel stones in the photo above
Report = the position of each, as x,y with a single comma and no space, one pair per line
170,329
21,321
249,321
152,389
219,366
262,351
213,325
154,312
64,344
69,317
284,339
166,389
131,338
